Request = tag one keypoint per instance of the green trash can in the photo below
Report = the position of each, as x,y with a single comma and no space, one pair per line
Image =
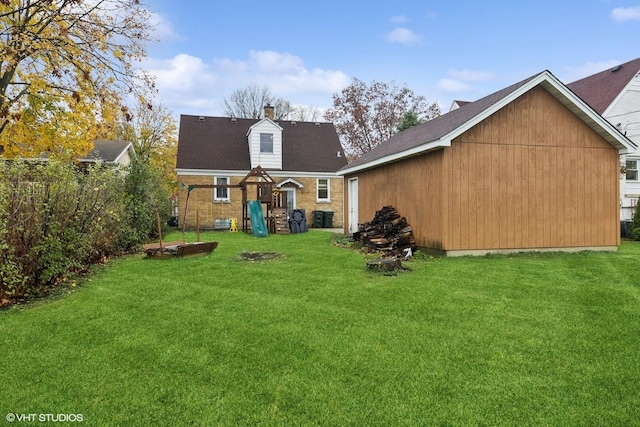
318,218
327,221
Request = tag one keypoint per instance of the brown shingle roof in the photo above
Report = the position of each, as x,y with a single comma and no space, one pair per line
601,89
220,143
439,132
436,128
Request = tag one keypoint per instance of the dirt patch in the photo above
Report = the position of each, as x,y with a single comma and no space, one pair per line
259,256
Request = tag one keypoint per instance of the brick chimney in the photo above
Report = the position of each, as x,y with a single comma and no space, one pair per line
268,111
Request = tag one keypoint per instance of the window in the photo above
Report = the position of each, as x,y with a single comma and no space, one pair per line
266,143
632,170
221,193
323,190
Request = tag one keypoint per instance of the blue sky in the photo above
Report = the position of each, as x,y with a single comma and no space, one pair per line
446,50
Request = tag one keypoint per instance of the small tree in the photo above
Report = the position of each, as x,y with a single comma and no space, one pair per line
409,119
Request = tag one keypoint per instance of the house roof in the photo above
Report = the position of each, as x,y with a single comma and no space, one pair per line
601,89
108,151
439,132
220,143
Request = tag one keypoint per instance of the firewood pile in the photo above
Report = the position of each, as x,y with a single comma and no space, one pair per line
388,233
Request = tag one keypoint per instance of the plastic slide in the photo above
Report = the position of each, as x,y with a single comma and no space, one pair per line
258,224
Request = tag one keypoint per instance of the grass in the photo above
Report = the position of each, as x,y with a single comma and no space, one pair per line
313,338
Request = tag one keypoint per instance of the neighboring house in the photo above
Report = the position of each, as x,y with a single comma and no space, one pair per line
110,152
104,151
530,167
615,94
301,157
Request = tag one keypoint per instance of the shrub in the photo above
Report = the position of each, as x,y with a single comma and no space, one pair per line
635,223
56,219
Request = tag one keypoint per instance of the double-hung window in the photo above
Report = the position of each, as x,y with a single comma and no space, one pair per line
221,194
266,143
632,170
322,186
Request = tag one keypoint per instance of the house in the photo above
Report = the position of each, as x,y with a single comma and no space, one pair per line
302,158
104,151
109,152
530,167
615,94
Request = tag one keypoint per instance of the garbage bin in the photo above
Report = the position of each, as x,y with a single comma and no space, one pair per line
327,219
318,219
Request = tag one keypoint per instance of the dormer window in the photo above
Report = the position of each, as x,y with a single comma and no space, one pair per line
266,143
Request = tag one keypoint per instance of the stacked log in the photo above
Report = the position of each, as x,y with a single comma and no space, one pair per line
388,233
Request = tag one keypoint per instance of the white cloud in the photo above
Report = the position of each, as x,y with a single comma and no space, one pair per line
453,86
626,13
403,36
459,81
188,85
472,76
162,28
572,74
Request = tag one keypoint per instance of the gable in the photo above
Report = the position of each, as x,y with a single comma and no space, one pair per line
265,144
536,118
441,131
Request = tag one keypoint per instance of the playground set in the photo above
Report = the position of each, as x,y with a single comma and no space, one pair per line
261,210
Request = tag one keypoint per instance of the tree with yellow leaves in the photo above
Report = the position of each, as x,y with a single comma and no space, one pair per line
65,68
154,134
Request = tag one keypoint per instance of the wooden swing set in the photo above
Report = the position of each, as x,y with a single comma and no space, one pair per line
262,189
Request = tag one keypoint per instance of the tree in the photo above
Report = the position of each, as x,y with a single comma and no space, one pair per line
304,113
367,115
409,119
65,67
153,132
249,103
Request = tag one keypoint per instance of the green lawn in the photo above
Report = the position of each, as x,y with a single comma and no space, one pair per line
313,338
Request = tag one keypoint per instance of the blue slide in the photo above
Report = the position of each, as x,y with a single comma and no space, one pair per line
258,224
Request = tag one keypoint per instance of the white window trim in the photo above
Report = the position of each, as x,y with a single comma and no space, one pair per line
272,142
328,199
637,169
215,190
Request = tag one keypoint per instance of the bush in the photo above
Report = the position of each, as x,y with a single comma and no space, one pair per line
635,223
56,219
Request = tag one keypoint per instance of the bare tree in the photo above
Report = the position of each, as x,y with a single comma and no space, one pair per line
249,103
305,113
367,115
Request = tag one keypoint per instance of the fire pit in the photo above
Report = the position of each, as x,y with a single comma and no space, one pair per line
259,256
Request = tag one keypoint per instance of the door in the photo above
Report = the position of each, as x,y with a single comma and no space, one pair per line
353,205
288,198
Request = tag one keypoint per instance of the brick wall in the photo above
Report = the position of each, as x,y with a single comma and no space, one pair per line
201,200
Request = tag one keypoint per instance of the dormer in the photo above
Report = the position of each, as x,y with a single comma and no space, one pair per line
265,142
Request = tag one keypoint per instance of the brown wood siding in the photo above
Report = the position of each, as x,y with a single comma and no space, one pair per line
414,187
532,175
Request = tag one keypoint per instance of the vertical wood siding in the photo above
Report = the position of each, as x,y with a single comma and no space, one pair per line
414,187
532,175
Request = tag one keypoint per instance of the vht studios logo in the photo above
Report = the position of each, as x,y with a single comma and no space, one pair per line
43,418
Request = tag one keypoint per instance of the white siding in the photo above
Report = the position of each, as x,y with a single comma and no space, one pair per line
624,113
265,160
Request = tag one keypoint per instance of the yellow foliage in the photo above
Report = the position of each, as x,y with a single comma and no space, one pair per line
57,94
